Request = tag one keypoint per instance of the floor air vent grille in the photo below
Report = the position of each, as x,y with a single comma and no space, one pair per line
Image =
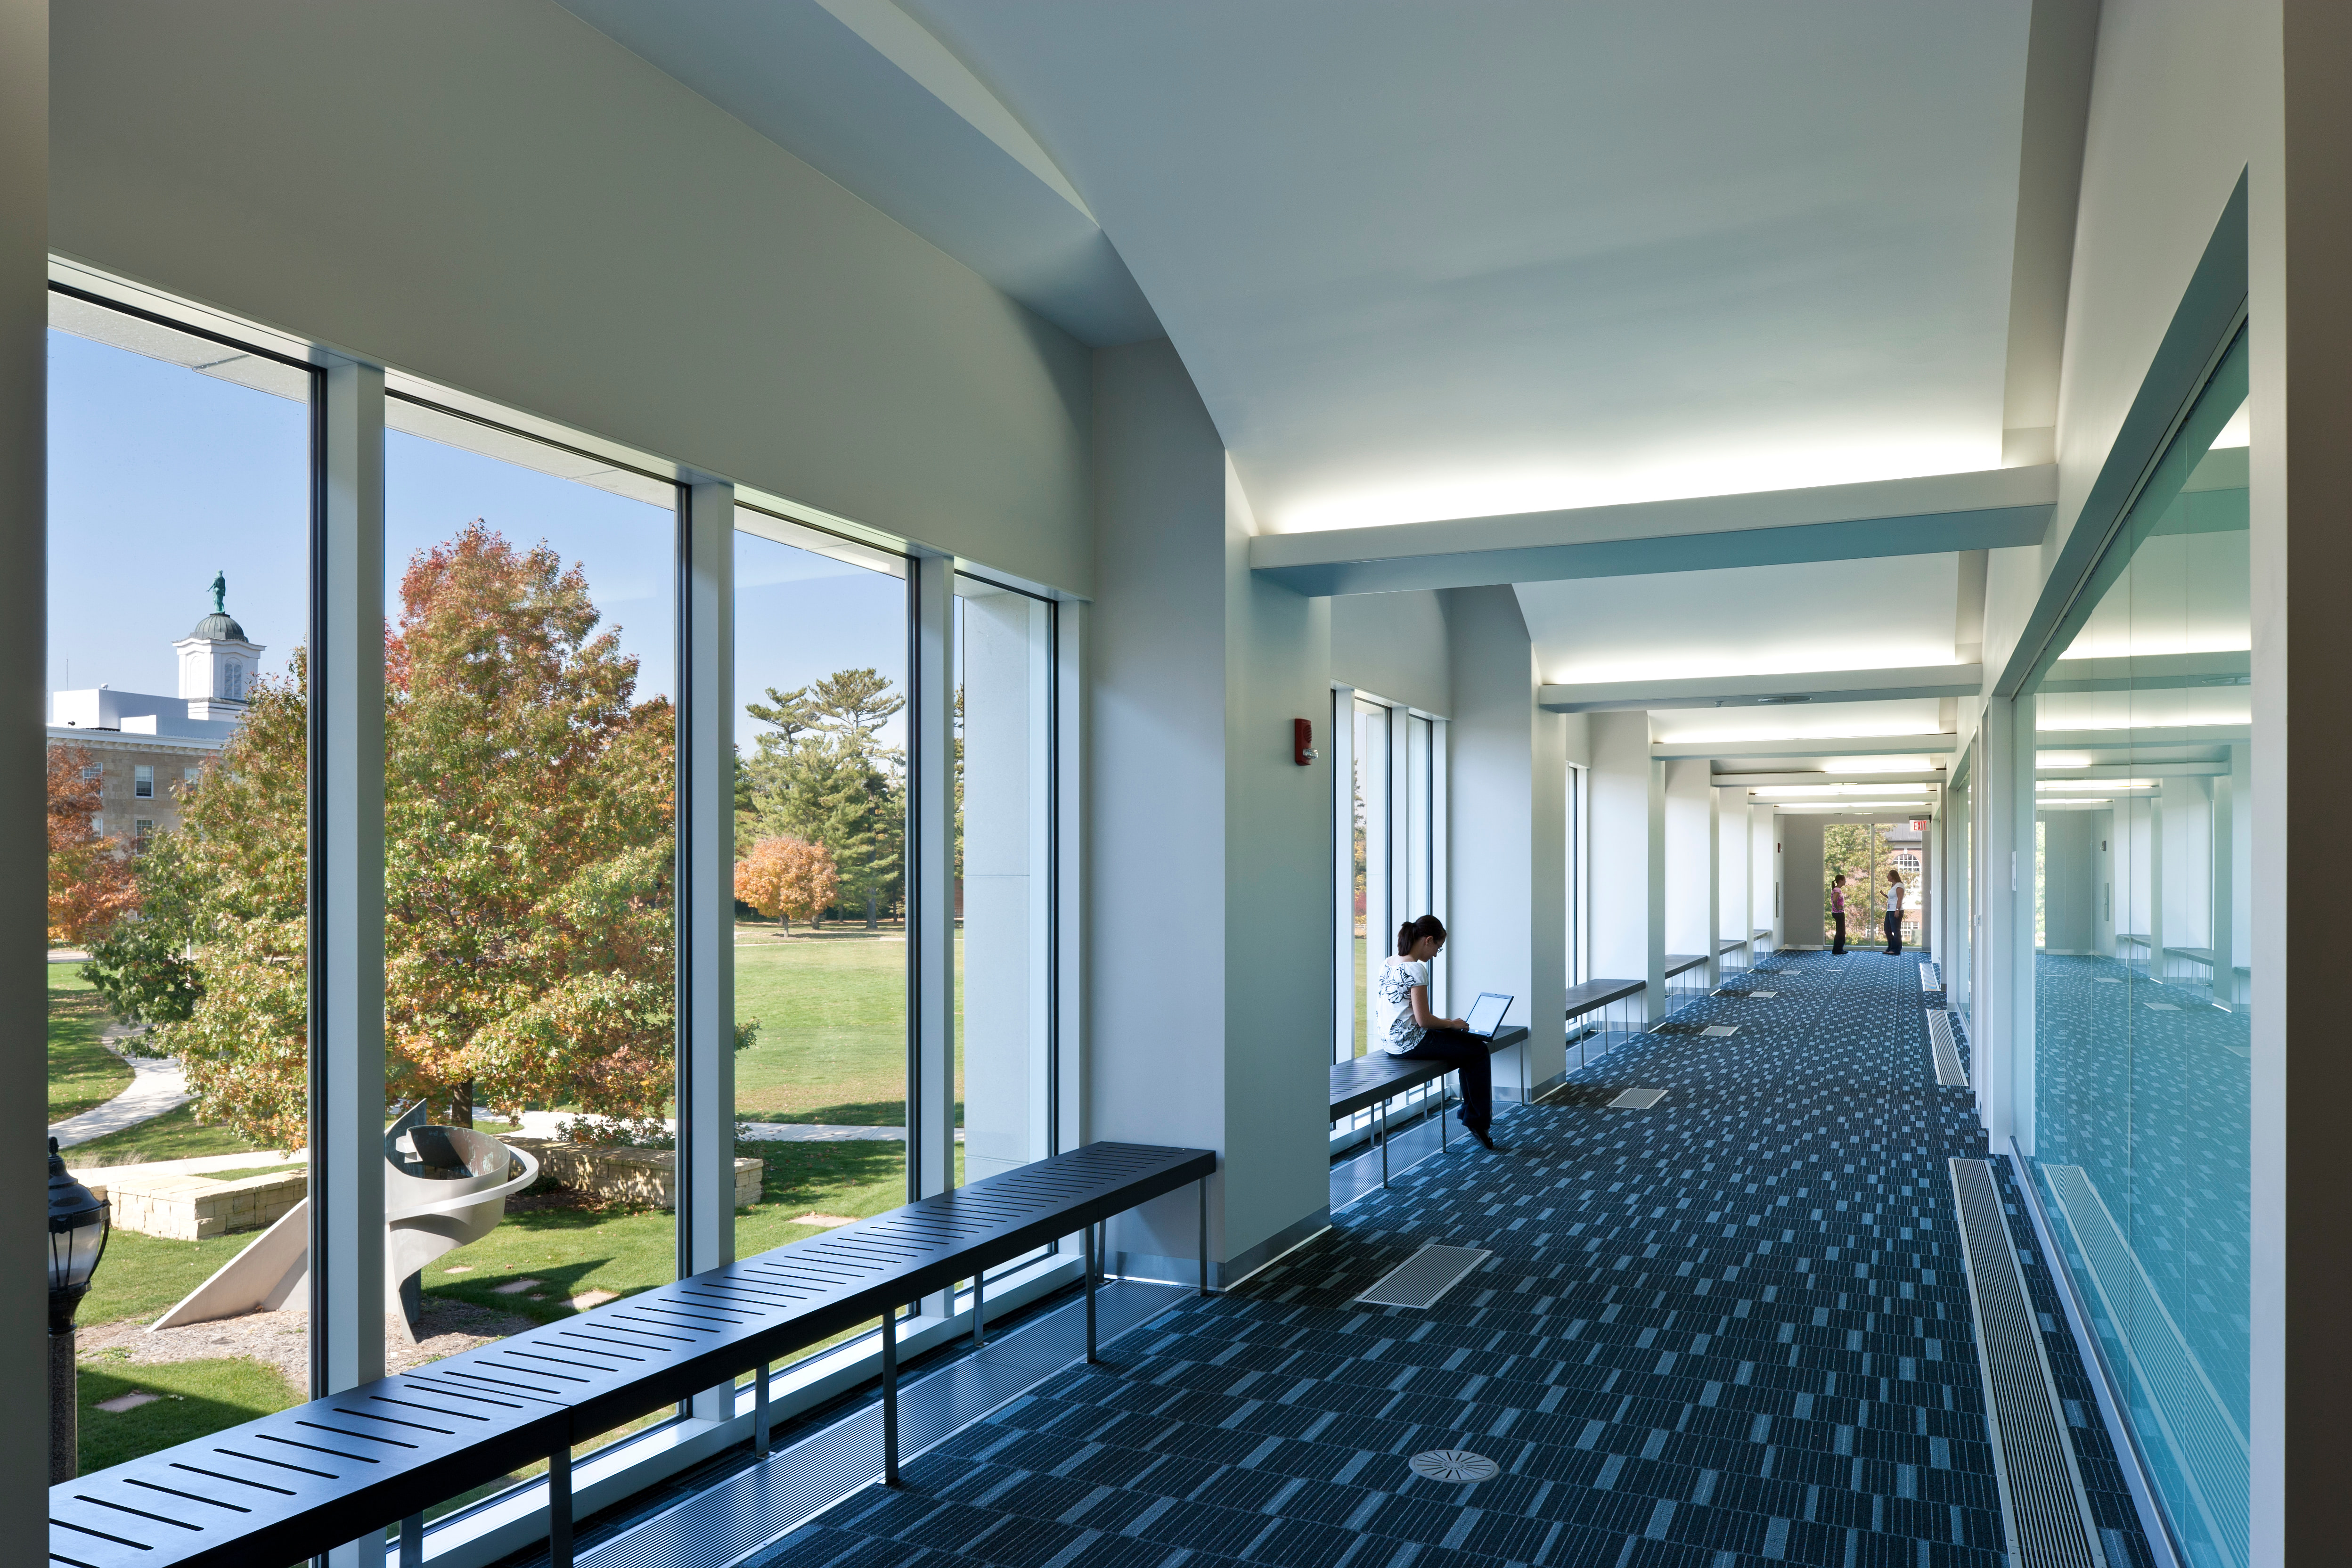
2042,1505
1949,1071
1421,1279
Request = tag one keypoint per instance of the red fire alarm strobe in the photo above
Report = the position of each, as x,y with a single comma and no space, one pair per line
1302,741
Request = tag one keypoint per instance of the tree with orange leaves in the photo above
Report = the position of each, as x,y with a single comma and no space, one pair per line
90,885
785,877
528,949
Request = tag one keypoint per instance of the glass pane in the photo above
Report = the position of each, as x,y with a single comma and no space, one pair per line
178,590
530,651
2143,965
1417,899
820,891
1003,876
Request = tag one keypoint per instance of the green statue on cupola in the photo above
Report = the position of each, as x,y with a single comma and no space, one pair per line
220,593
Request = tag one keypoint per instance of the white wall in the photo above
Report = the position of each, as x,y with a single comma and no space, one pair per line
1800,894
1732,855
1277,870
1393,646
1208,849
1505,821
502,199
1621,830
1687,855
1155,838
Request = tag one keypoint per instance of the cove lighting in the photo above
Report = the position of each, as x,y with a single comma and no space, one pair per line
2065,786
1799,791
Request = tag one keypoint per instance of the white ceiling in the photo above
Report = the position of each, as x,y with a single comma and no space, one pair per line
1448,261
1887,612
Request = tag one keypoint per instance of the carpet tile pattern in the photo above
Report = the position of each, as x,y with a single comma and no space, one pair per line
1732,1330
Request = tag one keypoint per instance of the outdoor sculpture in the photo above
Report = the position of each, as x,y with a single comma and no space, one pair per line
442,1188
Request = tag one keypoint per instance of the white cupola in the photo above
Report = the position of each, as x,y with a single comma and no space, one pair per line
217,661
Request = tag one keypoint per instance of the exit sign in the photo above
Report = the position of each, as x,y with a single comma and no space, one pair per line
1920,825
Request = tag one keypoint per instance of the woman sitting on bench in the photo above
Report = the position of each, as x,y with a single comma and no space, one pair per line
1405,1029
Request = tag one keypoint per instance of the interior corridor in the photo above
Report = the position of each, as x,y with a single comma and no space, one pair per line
1731,1329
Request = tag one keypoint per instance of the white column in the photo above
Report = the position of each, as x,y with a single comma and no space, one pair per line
705,912
1714,887
23,592
1617,836
346,892
1508,820
1338,749
1654,840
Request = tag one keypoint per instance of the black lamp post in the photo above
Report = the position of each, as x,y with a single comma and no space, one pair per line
78,1223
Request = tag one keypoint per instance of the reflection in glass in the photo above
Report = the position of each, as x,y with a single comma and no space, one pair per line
820,884
2143,970
179,512
529,942
1376,919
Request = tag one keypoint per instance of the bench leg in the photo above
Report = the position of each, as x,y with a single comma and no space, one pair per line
979,1309
411,1542
1444,1080
890,1396
1203,1185
559,1507
1384,1143
1087,1247
760,1413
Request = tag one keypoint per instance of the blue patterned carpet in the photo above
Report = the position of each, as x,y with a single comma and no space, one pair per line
1731,1330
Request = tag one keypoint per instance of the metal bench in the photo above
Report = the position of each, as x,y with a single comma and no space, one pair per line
1591,996
1370,1081
293,1485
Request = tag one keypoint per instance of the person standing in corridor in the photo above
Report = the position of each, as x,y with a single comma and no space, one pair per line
1894,892
1837,914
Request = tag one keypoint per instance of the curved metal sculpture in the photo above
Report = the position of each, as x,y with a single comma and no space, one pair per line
442,1188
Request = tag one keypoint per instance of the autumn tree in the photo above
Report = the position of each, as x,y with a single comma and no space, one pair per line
90,885
786,877
529,952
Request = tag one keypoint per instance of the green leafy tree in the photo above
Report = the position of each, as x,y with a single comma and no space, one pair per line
823,775
141,965
528,949
1858,849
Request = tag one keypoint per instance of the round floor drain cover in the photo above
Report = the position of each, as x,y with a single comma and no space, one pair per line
1453,1465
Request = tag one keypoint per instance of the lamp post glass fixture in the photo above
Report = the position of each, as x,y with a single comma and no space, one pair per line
78,1223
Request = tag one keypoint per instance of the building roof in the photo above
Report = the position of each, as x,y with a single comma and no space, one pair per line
220,627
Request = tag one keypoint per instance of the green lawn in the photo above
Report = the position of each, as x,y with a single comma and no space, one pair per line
175,1135
195,1397
833,1026
140,1275
83,1074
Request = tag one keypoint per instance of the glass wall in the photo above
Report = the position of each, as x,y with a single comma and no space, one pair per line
530,649
2140,1132
1959,823
821,739
1005,813
1376,918
179,529
1390,769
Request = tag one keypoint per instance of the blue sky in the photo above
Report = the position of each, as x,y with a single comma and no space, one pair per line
159,477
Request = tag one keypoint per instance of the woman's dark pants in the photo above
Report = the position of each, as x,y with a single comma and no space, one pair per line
1894,934
1470,1057
1838,946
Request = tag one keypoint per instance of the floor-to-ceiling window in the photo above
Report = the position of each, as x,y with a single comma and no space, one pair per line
1390,768
821,995
2140,1135
181,483
1958,824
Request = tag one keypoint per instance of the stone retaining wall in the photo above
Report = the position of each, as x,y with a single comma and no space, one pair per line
647,1176
191,1208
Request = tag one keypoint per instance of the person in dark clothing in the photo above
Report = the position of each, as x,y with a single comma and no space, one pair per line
1894,892
1404,1025
1837,913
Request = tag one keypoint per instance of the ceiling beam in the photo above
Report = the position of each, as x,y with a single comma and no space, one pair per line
1765,690
1987,510
2152,735
1937,743
1841,776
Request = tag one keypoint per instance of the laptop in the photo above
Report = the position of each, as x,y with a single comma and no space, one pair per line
1486,1014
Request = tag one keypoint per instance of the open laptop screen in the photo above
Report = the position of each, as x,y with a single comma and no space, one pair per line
1486,1014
